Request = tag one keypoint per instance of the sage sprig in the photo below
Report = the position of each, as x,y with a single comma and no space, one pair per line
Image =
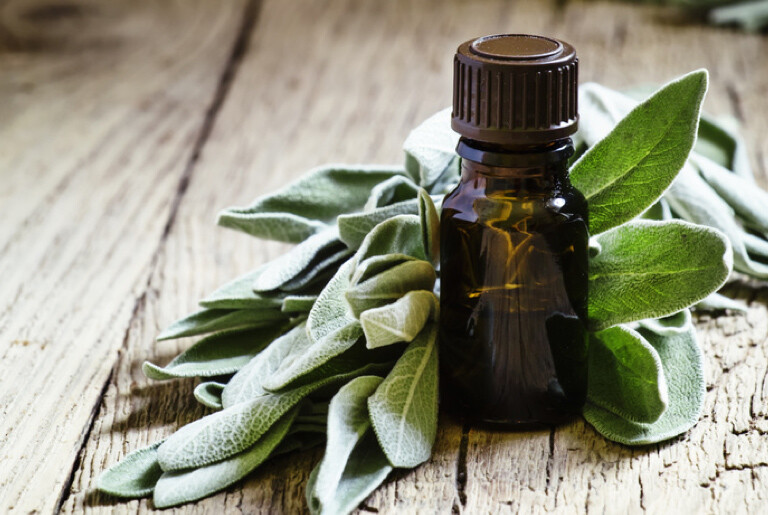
339,336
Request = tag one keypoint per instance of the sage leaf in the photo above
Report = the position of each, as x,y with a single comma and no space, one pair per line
650,269
625,375
375,265
239,294
718,302
720,141
366,470
247,384
178,487
219,354
430,227
390,285
401,234
628,170
314,357
303,263
683,368
135,476
430,151
691,198
298,303
309,205
332,489
353,228
209,394
331,312
393,190
212,320
237,427
404,408
400,321
676,323
748,201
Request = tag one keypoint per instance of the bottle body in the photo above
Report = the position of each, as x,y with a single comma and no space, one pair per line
514,257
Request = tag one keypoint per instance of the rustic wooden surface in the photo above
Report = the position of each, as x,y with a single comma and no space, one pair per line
125,126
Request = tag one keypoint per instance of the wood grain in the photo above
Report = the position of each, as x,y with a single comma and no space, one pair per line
102,106
316,81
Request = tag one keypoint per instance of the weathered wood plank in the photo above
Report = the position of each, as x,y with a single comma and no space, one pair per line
344,81
102,106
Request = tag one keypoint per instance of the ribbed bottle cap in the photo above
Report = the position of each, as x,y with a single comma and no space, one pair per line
515,89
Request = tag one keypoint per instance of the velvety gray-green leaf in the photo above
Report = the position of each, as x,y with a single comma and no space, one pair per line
649,269
430,227
348,422
135,476
692,199
390,285
314,357
212,320
718,302
683,368
331,312
178,487
239,294
393,190
400,321
235,428
623,174
625,375
377,264
353,228
430,150
247,384
219,354
303,263
209,394
310,204
677,323
404,408
401,234
298,303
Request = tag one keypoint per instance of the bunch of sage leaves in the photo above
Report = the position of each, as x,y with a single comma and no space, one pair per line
336,341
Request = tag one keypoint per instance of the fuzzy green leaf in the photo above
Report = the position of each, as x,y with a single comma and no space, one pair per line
625,375
331,312
430,152
349,471
390,285
209,394
247,384
212,320
430,227
353,228
135,476
393,190
648,269
623,174
309,205
401,234
375,265
717,302
178,487
239,294
683,368
304,263
301,304
400,321
237,427
219,354
404,408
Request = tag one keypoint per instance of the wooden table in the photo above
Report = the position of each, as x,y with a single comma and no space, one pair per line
125,126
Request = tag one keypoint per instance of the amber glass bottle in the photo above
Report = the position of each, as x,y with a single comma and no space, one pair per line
514,238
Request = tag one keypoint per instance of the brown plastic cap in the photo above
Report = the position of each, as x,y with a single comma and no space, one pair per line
515,89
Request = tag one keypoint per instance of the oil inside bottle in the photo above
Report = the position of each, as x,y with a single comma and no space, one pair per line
514,296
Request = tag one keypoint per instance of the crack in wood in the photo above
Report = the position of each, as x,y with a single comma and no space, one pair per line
551,457
250,18
461,466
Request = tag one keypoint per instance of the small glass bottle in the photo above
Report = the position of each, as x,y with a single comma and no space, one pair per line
514,238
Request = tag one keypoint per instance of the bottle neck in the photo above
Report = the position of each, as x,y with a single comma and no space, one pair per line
539,168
